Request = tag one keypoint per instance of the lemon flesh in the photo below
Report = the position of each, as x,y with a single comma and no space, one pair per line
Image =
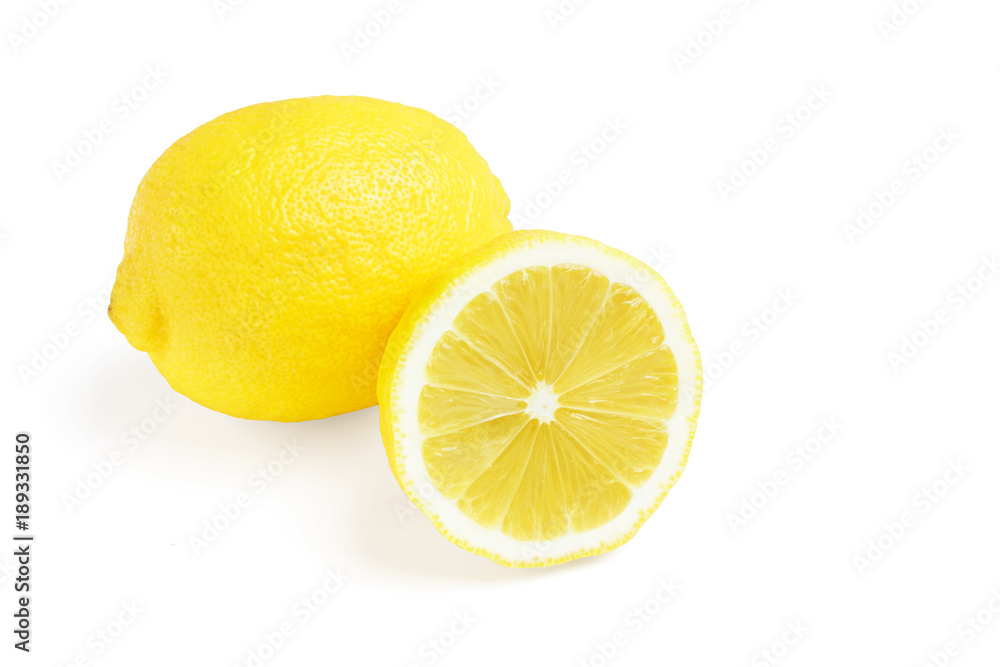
271,251
540,400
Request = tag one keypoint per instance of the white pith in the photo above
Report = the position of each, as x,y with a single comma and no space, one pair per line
542,403
410,378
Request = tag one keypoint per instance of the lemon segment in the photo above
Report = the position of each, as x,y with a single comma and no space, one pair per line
540,399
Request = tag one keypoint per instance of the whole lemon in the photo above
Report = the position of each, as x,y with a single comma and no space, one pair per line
271,251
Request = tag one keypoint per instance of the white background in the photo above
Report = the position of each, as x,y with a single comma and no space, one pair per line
653,192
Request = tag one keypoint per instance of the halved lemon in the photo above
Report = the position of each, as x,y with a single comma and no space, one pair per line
539,399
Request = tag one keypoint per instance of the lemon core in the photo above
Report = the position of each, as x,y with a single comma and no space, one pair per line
542,403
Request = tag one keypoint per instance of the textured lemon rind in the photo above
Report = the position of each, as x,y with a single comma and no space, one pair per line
271,251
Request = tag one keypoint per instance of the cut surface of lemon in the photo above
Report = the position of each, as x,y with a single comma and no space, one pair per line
539,399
